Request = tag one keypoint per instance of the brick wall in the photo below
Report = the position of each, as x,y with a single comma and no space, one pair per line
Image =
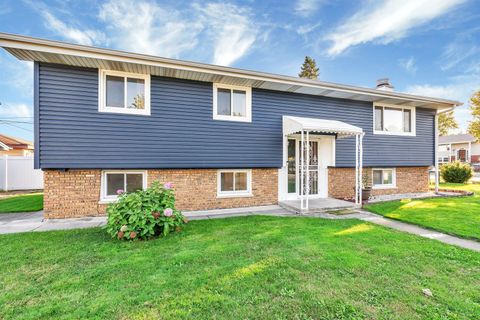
341,181
76,193
72,193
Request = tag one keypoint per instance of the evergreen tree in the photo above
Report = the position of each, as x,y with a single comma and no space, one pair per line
474,126
309,69
446,121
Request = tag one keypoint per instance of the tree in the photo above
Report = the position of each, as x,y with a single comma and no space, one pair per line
309,69
446,121
474,126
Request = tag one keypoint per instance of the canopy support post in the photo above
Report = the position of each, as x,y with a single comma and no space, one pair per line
437,178
307,185
356,169
302,166
361,169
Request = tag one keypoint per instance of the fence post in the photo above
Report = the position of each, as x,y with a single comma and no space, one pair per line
6,172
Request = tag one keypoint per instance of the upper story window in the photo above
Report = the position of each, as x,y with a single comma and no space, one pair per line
232,103
394,120
122,92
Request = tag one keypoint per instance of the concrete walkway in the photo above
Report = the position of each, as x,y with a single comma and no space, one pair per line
33,221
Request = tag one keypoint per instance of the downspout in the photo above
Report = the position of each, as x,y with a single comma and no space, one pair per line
437,175
436,153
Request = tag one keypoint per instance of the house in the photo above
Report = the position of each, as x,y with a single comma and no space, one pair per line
13,146
461,147
226,137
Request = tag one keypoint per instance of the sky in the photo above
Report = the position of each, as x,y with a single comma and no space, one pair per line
425,47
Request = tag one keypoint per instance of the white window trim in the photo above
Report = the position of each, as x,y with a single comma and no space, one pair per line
102,97
103,183
393,185
413,120
248,102
234,194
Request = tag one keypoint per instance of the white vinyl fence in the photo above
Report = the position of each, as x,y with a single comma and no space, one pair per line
17,173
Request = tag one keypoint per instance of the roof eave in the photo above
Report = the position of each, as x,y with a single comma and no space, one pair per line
15,43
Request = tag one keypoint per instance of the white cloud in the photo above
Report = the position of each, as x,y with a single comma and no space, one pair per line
17,75
386,21
145,27
409,65
458,51
459,88
86,37
306,8
14,110
232,29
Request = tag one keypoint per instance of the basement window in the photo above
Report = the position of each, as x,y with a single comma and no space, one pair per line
122,92
384,178
234,183
232,103
115,182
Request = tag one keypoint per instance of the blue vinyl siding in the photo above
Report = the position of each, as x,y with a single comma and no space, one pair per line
180,133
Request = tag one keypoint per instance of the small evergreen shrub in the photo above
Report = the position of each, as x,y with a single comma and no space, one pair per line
456,172
144,214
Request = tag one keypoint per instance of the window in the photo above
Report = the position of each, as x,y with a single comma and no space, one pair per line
383,178
443,148
394,120
234,183
115,182
122,92
232,103
443,159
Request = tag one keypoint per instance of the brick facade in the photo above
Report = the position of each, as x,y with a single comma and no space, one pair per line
341,181
76,193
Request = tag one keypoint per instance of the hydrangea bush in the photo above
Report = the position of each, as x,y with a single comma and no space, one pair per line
144,214
456,172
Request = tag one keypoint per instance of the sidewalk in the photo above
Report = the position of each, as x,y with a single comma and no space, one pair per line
33,221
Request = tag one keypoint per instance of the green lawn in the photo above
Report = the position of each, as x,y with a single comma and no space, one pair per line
457,216
22,203
239,268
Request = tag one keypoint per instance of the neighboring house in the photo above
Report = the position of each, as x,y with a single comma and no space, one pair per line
108,120
15,146
461,147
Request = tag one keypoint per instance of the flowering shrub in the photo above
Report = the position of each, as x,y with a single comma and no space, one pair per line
144,214
456,172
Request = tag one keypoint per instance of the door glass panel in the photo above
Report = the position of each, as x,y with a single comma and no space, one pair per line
291,167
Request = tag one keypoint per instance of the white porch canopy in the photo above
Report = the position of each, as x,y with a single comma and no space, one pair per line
303,126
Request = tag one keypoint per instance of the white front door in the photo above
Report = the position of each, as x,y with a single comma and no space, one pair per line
322,155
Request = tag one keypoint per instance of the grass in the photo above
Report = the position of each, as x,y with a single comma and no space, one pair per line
457,216
244,268
22,203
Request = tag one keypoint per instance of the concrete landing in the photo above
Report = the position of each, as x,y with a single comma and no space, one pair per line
318,205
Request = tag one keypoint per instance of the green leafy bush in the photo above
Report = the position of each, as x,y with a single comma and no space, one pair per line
456,172
144,214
